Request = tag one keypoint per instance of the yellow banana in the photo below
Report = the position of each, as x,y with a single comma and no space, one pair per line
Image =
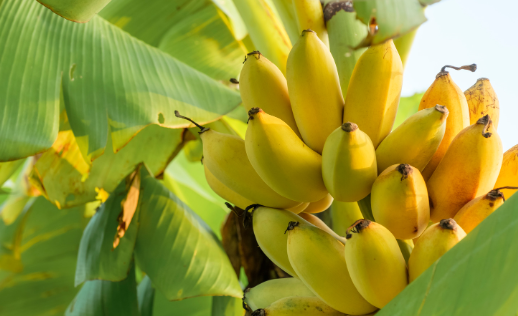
311,16
299,209
314,89
399,201
266,293
415,141
225,157
444,91
269,229
282,159
349,163
473,213
435,242
319,261
343,215
320,205
320,224
482,100
224,191
469,169
377,267
298,306
509,172
262,84
374,90
406,246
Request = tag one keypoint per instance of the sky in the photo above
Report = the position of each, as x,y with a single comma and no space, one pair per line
463,32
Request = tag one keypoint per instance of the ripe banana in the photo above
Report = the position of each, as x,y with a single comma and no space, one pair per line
224,191
445,92
266,293
269,229
320,224
374,90
482,100
375,263
311,16
320,205
469,169
435,242
343,215
314,89
473,213
415,141
298,306
225,157
282,159
349,163
299,209
399,201
262,84
509,172
319,261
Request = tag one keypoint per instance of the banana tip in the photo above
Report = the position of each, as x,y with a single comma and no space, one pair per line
448,223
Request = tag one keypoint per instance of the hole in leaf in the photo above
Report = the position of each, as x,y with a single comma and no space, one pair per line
161,118
72,70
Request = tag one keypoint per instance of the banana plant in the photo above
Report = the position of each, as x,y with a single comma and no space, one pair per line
105,206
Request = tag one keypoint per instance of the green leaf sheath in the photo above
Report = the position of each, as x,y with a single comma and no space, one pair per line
191,262
112,83
476,277
80,11
393,18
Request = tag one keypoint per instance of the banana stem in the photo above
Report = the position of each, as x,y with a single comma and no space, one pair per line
495,193
202,129
365,207
486,120
472,68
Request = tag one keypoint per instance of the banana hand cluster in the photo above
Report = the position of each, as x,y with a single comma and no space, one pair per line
429,182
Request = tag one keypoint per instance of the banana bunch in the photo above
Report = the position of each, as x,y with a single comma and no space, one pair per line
307,148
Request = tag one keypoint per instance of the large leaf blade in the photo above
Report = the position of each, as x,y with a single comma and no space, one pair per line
476,277
112,83
192,263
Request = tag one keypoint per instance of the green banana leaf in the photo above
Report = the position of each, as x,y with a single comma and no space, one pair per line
407,107
80,11
428,2
65,185
112,84
7,169
106,298
388,18
204,34
187,180
152,303
345,33
45,284
98,259
476,277
190,261
288,16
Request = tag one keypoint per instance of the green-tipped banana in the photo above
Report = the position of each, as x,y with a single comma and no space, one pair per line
266,293
298,306
349,163
318,258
